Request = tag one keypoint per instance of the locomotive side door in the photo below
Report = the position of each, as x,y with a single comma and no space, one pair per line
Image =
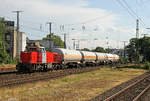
43,55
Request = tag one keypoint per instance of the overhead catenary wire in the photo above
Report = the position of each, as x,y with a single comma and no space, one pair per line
131,12
84,22
132,15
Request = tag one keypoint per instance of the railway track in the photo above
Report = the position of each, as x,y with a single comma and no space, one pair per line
15,79
134,92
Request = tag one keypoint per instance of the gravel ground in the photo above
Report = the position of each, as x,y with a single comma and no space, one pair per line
146,96
114,90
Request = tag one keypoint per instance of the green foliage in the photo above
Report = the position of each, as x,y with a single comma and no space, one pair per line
57,40
135,66
14,61
108,50
99,49
85,49
147,65
138,49
131,50
123,60
4,57
144,48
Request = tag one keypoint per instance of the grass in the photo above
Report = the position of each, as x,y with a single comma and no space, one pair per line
79,87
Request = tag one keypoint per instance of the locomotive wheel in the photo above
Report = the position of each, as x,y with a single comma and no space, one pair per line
45,68
30,68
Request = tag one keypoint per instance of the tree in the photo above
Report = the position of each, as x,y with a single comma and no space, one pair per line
108,50
138,48
131,49
85,49
57,40
99,49
144,48
4,57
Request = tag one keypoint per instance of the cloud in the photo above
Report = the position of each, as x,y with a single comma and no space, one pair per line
73,13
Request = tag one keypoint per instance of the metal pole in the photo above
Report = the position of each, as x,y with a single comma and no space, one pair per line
137,36
124,48
65,40
137,28
17,30
74,44
50,28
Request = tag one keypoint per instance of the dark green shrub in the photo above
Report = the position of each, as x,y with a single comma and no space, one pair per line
14,61
123,60
147,65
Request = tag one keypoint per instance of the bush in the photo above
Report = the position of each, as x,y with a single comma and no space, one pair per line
14,61
147,65
123,60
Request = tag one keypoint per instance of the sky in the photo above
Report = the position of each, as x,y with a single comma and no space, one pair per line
92,23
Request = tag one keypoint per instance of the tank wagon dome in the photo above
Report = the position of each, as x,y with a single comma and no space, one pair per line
67,54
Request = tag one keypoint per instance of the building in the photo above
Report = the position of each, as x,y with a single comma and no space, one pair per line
20,41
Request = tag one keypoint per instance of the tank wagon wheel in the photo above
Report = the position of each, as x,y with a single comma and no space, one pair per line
62,66
83,65
59,67
77,66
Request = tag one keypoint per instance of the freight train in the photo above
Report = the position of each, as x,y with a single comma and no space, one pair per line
37,58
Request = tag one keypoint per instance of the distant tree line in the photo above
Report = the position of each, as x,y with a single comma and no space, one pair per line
57,40
98,49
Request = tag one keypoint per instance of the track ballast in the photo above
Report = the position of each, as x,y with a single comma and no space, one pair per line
15,79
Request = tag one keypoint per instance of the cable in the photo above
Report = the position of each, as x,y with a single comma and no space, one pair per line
126,8
91,20
133,11
130,11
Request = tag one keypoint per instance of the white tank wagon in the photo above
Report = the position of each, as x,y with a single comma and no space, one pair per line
109,58
89,58
100,57
70,57
116,58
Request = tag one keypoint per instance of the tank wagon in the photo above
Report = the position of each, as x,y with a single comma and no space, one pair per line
37,58
88,58
69,57
101,58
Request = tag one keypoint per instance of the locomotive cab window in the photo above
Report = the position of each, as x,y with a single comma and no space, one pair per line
32,49
42,50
